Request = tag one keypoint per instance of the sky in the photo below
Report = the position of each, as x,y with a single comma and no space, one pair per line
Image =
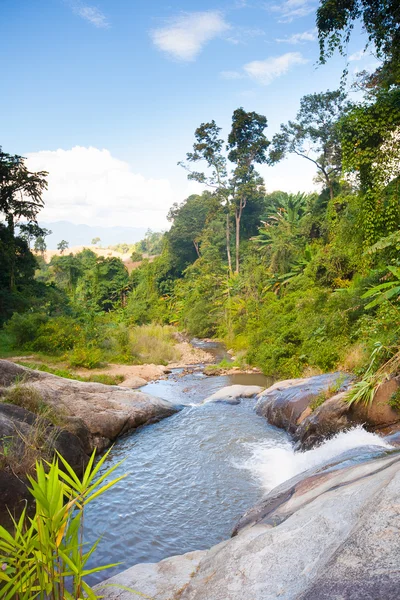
106,96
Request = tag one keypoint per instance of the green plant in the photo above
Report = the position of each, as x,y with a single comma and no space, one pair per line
89,358
394,401
384,291
318,401
364,391
45,557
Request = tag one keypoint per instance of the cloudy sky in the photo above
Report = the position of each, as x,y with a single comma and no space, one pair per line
106,96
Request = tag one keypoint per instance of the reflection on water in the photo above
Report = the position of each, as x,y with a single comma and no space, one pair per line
184,490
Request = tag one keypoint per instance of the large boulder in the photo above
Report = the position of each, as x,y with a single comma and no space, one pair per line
283,403
335,415
331,534
106,411
232,394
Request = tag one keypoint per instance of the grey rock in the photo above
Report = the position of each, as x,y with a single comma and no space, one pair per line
232,394
283,403
106,411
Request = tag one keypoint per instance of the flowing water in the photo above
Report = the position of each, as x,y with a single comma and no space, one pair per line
191,476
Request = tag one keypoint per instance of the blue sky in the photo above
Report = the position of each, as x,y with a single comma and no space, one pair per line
106,96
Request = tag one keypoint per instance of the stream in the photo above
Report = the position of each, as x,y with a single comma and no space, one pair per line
191,476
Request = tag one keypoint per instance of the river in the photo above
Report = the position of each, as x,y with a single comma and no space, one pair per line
191,476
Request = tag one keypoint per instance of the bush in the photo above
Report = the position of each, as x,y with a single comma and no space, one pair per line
23,328
89,358
57,335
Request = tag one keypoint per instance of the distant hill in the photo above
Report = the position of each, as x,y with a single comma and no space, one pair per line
82,235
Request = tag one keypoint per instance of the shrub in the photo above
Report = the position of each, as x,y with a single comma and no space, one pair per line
89,358
45,557
57,335
23,328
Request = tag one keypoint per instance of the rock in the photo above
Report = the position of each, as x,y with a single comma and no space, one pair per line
335,415
379,414
233,393
283,403
331,534
160,580
325,421
106,411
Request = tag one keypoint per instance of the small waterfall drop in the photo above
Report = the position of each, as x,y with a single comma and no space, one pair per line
274,463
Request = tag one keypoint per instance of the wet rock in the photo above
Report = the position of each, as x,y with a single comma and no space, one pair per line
332,534
335,415
283,403
232,394
327,420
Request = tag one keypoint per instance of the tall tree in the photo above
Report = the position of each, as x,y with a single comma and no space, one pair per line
314,135
233,185
20,197
208,147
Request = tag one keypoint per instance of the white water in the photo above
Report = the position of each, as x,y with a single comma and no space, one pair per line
273,463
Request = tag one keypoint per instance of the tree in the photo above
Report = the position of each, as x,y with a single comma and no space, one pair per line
314,135
62,246
40,245
381,22
232,185
247,146
95,241
188,221
21,194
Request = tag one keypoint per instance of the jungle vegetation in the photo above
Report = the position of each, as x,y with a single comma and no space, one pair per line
294,283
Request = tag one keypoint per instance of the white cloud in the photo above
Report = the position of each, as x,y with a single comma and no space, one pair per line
184,37
357,55
90,186
265,71
91,14
293,9
231,75
299,38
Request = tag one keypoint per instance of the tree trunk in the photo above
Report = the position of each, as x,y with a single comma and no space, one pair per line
196,245
228,243
10,227
238,217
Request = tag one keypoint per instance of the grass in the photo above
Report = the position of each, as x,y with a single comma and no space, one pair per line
95,377
153,344
333,389
20,452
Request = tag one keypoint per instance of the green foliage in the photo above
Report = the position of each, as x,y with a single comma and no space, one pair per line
88,358
394,401
45,557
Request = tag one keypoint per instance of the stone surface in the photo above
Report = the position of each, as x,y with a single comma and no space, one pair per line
161,581
283,403
233,393
331,534
325,421
106,411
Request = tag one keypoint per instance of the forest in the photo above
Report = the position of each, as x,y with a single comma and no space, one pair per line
294,283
